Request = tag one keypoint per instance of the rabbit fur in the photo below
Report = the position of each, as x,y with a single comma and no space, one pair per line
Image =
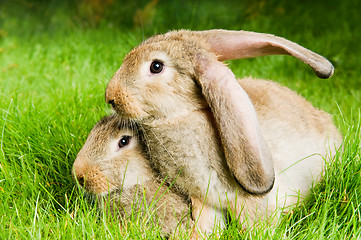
122,179
250,146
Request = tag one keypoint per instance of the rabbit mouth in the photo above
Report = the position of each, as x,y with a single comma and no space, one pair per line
118,197
104,190
129,112
106,193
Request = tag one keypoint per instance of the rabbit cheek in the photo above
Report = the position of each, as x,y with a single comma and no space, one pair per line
137,170
164,97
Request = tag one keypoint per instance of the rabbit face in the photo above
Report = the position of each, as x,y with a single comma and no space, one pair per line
152,82
111,159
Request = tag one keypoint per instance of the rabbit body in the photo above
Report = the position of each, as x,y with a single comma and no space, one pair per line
250,146
122,179
195,161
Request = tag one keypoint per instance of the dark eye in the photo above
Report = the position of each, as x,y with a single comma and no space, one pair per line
156,66
124,141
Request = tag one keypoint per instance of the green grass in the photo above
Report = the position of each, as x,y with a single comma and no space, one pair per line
54,67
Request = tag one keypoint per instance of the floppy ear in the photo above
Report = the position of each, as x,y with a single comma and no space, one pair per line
243,44
246,152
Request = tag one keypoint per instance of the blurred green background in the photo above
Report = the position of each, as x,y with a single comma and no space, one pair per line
330,28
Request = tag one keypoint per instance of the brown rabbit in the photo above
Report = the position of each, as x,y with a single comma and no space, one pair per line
252,145
112,165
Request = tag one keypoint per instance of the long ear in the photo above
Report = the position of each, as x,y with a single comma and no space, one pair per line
243,44
246,152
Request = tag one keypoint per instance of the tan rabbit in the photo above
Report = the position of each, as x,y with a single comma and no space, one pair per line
249,146
112,165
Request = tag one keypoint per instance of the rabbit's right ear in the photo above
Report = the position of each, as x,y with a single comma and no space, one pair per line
247,154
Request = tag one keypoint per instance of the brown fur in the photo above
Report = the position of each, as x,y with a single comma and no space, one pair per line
286,105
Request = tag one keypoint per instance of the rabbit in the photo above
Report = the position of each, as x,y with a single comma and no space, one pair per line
250,146
113,166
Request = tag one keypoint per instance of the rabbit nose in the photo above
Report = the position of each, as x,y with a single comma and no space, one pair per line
109,98
78,176
109,94
111,102
80,180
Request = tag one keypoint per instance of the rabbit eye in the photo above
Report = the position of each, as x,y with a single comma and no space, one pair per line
156,66
124,141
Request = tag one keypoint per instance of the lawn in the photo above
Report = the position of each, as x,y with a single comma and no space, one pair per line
56,58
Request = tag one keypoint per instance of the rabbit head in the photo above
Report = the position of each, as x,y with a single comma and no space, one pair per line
112,158
171,75
151,83
113,166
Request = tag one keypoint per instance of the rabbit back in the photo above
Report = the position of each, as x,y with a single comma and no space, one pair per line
300,137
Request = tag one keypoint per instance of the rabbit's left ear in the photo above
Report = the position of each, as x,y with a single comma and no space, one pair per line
244,44
247,154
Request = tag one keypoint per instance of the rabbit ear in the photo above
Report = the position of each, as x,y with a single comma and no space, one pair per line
243,44
246,152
